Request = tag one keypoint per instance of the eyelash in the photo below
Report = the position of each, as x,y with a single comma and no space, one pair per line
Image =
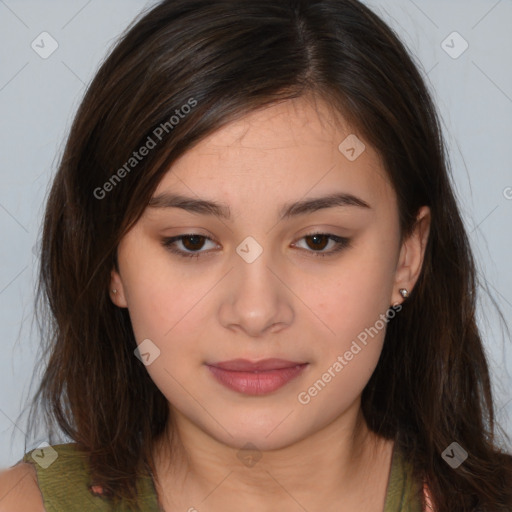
341,243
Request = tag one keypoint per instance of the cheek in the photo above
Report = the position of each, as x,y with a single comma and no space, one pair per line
159,298
353,295
174,312
345,360
354,307
170,314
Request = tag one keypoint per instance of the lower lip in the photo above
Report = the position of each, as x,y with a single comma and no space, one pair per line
252,383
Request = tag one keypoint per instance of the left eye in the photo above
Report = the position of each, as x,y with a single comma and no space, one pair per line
318,242
194,242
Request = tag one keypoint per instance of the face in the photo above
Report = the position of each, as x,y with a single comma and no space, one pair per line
312,286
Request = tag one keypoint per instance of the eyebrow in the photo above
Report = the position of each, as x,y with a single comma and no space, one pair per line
288,210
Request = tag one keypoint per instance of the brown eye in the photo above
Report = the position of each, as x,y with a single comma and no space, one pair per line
318,241
192,243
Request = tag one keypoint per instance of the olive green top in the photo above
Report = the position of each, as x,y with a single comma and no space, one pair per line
63,479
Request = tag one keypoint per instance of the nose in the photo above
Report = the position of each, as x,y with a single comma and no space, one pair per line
256,299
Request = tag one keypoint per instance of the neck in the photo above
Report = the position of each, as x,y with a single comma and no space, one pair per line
341,461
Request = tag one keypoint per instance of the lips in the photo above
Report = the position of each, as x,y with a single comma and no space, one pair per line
258,377
244,365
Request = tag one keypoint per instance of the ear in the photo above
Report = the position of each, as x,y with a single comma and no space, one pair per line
412,255
118,297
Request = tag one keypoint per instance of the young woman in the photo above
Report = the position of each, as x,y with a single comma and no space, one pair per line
260,292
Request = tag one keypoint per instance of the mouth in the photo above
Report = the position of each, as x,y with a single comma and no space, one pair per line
258,377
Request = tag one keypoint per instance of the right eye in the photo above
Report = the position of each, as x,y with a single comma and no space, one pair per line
192,242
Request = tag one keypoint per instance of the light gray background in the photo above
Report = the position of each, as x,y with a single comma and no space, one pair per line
38,98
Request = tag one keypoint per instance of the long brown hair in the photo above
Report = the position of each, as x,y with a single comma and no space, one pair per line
223,59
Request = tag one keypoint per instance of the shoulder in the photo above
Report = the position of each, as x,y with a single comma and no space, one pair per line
56,478
19,491
28,484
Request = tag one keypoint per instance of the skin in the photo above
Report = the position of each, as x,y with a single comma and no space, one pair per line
289,303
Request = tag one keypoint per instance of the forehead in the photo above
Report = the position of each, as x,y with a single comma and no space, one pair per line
283,152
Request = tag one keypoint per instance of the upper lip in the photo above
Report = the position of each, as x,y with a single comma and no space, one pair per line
242,365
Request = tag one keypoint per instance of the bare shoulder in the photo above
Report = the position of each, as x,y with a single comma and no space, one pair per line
19,491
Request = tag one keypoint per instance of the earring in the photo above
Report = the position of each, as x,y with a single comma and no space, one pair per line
114,291
404,293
